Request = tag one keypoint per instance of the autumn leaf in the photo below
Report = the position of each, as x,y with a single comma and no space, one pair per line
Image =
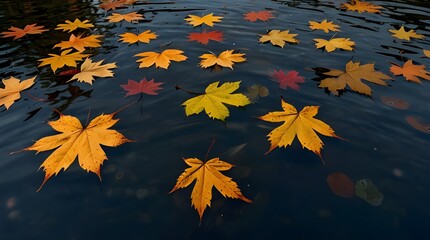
255,91
12,89
290,79
405,35
80,43
410,71
162,59
208,19
279,38
19,33
341,185
74,140
207,175
144,37
72,26
90,69
324,25
205,36
361,7
303,124
351,76
111,5
133,16
213,98
426,53
58,61
224,59
334,43
260,15
144,86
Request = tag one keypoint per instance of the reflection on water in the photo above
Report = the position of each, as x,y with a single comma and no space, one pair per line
387,133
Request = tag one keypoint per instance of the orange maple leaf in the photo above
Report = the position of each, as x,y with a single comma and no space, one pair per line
205,36
112,5
19,33
129,17
80,43
410,71
260,15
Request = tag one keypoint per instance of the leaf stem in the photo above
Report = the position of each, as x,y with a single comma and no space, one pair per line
210,147
178,87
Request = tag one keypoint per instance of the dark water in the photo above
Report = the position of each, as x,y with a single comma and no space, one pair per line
288,186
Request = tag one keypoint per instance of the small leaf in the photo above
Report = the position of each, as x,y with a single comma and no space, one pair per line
260,15
205,36
341,185
208,19
395,102
366,190
418,125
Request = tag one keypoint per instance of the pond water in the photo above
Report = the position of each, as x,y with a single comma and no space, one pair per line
288,187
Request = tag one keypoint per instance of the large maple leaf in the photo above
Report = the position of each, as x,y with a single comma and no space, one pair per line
58,61
19,33
334,43
129,17
301,124
12,88
290,79
90,69
80,43
278,37
72,26
205,36
74,140
225,59
162,59
411,71
361,7
352,76
144,37
208,175
405,35
263,15
208,19
213,98
324,25
144,86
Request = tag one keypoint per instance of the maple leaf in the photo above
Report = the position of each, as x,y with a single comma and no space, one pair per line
133,16
207,175
12,88
58,61
405,35
213,98
72,26
111,5
410,71
303,124
324,25
205,36
361,7
279,38
19,33
77,141
290,79
144,37
260,15
334,43
426,53
90,69
352,76
254,92
225,59
208,19
80,43
144,86
160,59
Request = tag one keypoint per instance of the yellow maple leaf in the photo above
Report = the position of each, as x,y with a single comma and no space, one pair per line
361,7
426,53
133,16
12,88
334,43
58,61
410,71
324,25
19,33
405,35
144,37
71,26
212,100
90,69
208,19
225,59
352,76
301,124
74,140
162,59
208,175
279,38
80,43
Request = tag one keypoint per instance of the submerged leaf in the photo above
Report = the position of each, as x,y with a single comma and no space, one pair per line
366,190
255,91
341,185
395,102
144,86
263,15
418,125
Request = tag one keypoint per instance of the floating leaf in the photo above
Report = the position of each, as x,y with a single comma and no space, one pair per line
19,33
341,185
129,17
162,59
366,190
144,37
426,53
418,125
72,26
279,38
290,79
205,36
324,25
334,43
112,5
208,19
144,86
263,15
90,69
12,89
58,61
80,43
410,71
361,7
225,59
395,102
405,35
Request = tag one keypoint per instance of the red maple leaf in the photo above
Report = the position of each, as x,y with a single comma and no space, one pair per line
149,87
290,79
205,36
262,15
